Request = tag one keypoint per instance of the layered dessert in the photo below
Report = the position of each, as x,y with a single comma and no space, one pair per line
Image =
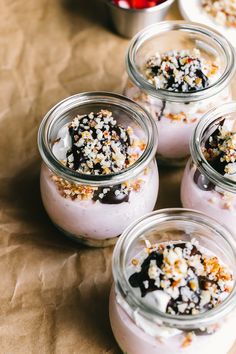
222,11
198,192
95,144
175,278
185,71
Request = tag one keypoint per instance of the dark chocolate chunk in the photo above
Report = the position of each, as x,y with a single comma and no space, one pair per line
204,282
160,113
136,280
111,197
195,251
202,181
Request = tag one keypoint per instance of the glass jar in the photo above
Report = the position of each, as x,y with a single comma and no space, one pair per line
137,324
177,113
72,199
202,187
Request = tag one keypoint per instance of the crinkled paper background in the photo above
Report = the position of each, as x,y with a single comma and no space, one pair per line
53,293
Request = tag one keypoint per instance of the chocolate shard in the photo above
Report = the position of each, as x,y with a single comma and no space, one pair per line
202,181
115,195
205,282
137,280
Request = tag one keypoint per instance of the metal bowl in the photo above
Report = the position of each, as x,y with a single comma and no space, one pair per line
127,22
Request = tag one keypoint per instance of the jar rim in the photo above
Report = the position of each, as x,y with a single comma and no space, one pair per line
138,79
138,113
197,154
144,224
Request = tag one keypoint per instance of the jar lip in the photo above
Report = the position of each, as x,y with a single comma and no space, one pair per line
139,80
196,151
121,280
138,113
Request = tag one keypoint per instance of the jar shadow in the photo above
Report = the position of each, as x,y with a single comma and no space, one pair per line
169,191
77,298
92,10
82,305
85,312
22,194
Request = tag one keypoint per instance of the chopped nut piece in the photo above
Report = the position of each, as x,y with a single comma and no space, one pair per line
135,261
187,340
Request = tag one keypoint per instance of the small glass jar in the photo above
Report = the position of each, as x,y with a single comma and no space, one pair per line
137,324
69,196
177,113
202,187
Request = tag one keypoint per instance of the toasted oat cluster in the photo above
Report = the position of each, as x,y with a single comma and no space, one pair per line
100,145
180,71
73,190
108,195
223,11
193,280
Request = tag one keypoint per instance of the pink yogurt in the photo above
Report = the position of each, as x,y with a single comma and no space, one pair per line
174,135
133,340
213,203
88,218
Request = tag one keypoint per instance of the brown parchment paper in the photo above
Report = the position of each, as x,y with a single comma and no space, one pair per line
53,293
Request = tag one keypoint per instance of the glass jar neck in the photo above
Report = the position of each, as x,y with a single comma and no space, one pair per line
212,118
193,28
137,231
105,100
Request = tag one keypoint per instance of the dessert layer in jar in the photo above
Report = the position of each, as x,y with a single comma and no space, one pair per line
95,144
198,192
181,72
180,279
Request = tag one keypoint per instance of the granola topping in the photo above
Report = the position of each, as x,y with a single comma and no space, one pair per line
180,71
95,144
101,146
107,195
223,11
189,279
220,150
